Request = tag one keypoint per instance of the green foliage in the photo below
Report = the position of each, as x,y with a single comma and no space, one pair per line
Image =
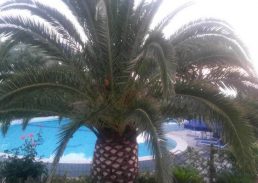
186,175
229,177
255,151
146,178
65,179
20,165
180,174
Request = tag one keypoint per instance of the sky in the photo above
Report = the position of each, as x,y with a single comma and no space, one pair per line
241,14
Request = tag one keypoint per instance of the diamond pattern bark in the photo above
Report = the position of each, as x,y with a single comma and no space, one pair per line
115,161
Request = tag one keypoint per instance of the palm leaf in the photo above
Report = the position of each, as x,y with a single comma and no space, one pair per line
163,23
66,132
145,120
220,113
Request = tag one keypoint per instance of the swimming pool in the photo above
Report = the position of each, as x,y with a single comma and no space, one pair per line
80,147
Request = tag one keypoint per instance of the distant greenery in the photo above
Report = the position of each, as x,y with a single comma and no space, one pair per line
186,175
235,174
230,177
255,150
146,178
181,175
18,58
65,179
21,165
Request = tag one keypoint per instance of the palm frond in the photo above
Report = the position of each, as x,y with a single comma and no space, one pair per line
144,14
199,50
37,79
210,39
63,22
145,120
25,122
222,114
5,48
5,124
218,76
36,33
65,134
157,145
163,23
85,12
8,115
155,51
156,64
104,38
205,26
51,15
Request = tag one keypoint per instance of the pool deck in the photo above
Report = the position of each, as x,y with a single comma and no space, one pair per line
181,146
181,143
189,137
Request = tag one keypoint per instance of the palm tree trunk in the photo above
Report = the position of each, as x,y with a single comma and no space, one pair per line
115,161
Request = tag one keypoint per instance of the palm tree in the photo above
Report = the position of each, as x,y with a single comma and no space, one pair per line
113,74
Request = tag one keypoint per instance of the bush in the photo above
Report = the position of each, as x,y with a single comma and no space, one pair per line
64,179
186,175
20,165
146,178
255,151
181,174
230,177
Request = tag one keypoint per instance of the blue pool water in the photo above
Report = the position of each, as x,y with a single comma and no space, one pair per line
82,142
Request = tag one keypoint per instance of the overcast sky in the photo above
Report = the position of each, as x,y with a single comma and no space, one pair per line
241,14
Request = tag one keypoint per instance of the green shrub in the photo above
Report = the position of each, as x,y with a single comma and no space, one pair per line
146,178
20,165
255,151
186,175
64,179
180,174
143,178
229,177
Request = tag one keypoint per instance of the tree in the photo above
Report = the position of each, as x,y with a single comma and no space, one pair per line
116,76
